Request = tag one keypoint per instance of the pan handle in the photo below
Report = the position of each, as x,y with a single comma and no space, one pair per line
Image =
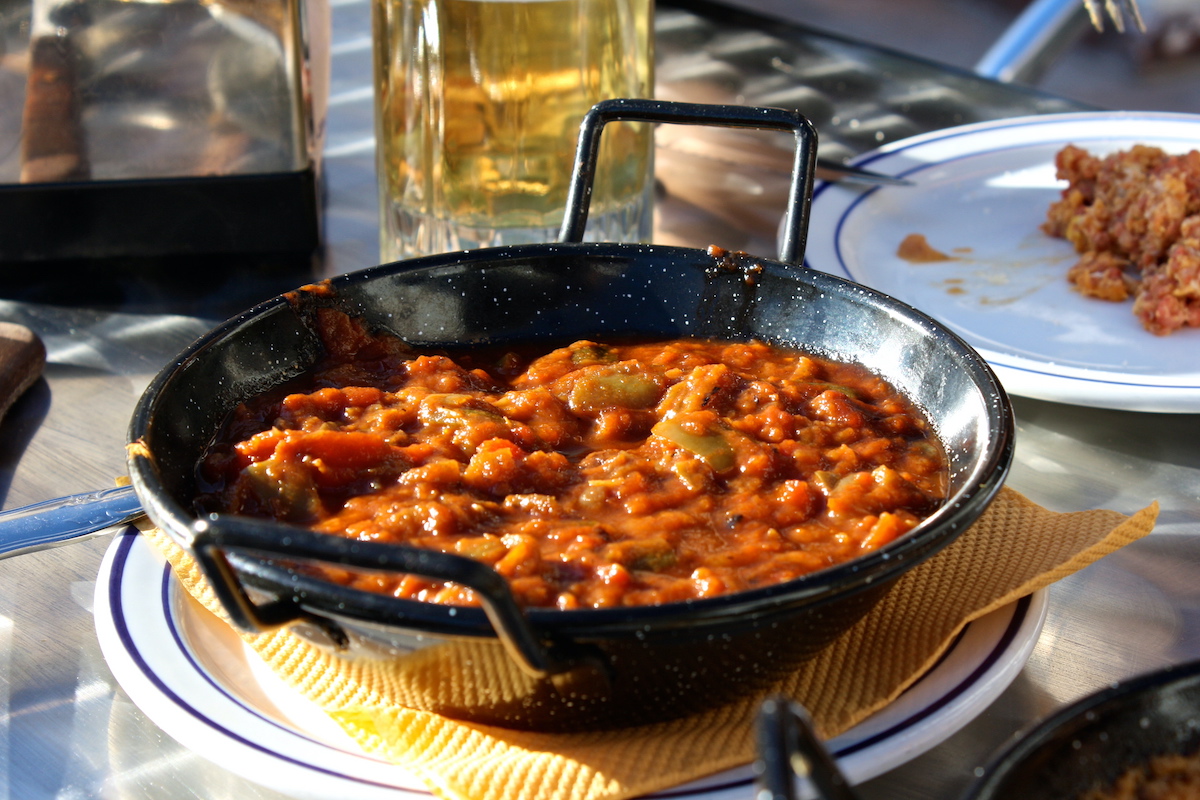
789,746
216,534
795,224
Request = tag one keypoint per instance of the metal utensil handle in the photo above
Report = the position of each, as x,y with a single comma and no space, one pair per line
217,534
788,745
65,519
795,226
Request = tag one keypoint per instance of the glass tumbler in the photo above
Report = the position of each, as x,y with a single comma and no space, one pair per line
478,106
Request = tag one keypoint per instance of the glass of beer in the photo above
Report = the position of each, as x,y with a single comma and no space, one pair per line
478,106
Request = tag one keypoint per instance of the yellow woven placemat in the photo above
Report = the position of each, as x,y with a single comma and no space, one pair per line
1014,549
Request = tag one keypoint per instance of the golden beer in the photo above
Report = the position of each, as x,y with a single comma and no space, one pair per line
478,105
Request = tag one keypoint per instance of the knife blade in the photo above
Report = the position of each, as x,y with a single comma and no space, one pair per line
62,520
833,171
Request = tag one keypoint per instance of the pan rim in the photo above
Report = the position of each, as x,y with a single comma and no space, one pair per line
885,564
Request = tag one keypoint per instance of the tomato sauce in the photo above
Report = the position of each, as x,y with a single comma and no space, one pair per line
597,474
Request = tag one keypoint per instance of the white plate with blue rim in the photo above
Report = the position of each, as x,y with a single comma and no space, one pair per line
193,677
979,195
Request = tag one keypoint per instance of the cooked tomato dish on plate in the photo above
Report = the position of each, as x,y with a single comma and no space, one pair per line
591,475
1134,218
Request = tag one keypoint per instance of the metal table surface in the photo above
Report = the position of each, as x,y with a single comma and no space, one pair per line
67,729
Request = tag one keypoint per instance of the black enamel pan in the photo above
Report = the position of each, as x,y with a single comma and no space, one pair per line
555,669
1091,742
1084,747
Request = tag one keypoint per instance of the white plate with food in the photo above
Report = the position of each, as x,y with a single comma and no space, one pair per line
979,196
193,676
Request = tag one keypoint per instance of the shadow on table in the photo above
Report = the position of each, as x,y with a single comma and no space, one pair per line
19,425
209,286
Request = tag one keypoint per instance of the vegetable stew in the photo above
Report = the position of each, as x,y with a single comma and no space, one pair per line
597,474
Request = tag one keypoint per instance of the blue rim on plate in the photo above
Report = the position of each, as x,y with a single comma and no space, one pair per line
191,675
980,194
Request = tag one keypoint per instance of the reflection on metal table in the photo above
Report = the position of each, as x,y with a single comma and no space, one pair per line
67,729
